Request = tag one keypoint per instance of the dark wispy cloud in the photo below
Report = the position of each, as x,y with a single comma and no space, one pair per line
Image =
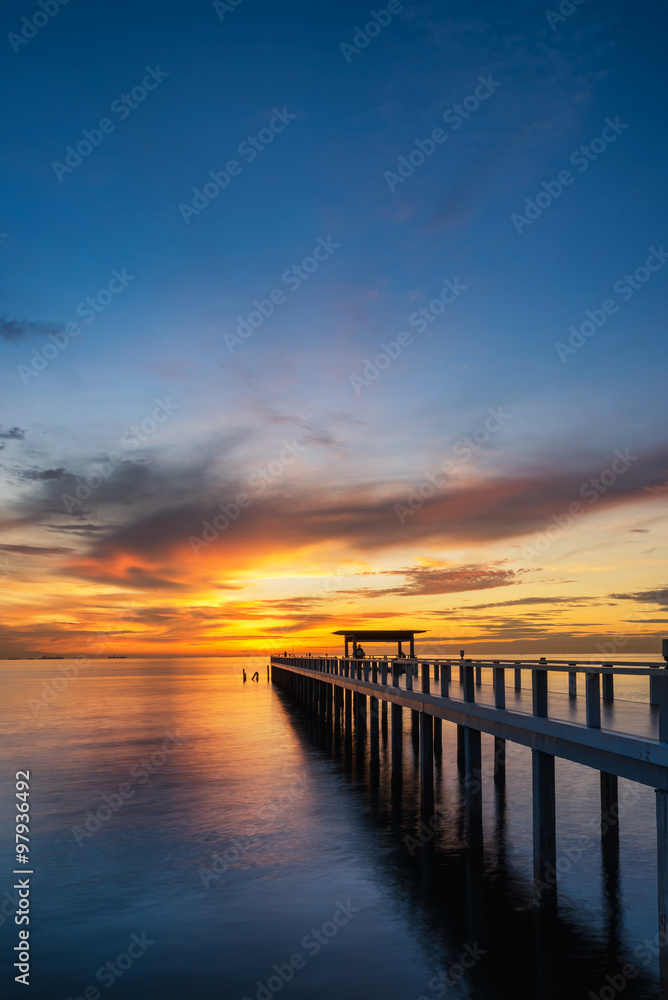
658,596
35,550
576,602
13,434
425,580
24,329
46,475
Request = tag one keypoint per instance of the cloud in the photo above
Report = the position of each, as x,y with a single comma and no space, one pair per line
13,434
422,580
46,475
569,601
34,550
24,329
141,519
658,596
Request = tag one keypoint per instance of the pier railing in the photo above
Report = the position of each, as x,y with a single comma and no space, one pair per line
434,677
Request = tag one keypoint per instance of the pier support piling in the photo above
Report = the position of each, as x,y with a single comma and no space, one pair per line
662,880
544,829
397,734
427,762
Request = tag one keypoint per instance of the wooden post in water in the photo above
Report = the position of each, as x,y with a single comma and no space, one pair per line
662,880
374,742
360,719
383,707
397,732
473,768
426,749
544,808
610,817
499,743
461,748
544,827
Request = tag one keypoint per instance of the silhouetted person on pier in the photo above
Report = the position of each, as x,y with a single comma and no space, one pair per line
359,653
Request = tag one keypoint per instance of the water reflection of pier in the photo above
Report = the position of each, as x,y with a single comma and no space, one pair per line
357,707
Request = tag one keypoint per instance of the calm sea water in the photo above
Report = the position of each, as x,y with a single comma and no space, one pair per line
233,850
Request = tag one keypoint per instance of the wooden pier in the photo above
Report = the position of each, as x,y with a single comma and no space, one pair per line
618,739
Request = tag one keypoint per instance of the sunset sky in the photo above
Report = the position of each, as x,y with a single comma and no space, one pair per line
199,452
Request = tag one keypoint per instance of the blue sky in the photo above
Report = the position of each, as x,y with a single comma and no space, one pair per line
323,177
